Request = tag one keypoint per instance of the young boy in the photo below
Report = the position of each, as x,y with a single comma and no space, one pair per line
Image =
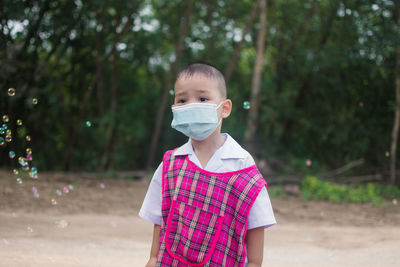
207,200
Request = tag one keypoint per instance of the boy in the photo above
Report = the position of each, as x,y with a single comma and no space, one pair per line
200,105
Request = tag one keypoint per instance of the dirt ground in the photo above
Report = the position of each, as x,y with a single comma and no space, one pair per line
96,224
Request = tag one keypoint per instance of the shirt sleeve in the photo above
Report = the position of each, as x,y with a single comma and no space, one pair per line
261,213
151,207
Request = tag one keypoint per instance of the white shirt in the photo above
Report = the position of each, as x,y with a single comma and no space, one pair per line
229,157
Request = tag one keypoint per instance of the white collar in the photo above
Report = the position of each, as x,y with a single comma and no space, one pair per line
229,150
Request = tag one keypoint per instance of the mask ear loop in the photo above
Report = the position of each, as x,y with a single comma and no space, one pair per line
220,121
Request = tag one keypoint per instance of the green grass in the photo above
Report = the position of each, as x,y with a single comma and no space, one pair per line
314,188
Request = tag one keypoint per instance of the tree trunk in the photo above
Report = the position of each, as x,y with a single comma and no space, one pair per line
396,124
232,64
164,100
256,80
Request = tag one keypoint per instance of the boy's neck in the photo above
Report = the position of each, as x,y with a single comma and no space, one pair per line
204,149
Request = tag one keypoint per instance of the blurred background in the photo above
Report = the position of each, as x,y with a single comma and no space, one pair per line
313,82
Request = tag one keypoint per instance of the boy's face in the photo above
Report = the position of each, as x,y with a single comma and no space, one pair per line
196,89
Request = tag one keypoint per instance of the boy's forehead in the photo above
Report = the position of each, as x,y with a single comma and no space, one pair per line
198,81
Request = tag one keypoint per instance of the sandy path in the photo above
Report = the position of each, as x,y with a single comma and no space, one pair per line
101,227
106,240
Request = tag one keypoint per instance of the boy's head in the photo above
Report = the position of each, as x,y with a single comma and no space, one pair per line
199,83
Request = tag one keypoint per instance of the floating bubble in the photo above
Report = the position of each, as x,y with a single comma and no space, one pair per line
4,126
71,187
5,118
1,131
113,224
387,154
29,157
34,101
34,169
88,124
66,190
15,171
8,132
11,154
58,192
308,162
28,138
19,122
53,201
30,229
102,186
11,91
25,167
36,194
19,180
1,141
22,161
29,151
394,201
34,188
361,104
246,105
8,138
172,92
61,223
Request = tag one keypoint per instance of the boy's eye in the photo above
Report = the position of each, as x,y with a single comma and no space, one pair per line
181,101
203,99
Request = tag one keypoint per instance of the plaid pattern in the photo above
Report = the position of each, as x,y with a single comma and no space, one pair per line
204,214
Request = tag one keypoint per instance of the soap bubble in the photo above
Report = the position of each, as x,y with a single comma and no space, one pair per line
66,190
88,124
19,122
29,151
71,187
11,91
58,192
30,229
25,167
246,105
8,132
102,186
11,154
15,171
308,162
172,92
5,118
34,101
29,157
19,180
61,223
1,141
2,131
28,138
4,126
53,201
8,138
387,154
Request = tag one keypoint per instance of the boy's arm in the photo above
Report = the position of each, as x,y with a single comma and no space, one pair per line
154,247
255,246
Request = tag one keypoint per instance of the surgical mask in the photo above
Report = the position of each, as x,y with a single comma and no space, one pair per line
196,120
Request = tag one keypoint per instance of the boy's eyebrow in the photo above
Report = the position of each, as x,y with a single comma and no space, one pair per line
180,93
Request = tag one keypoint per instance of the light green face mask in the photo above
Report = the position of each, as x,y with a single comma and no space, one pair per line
196,120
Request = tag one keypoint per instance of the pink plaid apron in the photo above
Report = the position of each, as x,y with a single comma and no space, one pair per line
204,214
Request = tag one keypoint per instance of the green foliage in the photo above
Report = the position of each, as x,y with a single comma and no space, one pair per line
327,91
317,189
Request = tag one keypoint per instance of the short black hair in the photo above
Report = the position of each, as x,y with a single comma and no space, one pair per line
206,69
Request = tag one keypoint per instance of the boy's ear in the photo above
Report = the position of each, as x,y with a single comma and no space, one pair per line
226,108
